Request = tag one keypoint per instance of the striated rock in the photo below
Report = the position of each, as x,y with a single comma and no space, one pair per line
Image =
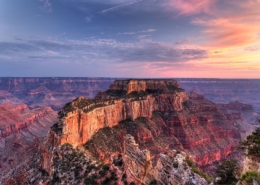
20,130
16,118
92,115
138,163
169,169
143,85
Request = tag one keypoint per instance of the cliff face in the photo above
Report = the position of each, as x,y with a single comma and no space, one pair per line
84,125
189,121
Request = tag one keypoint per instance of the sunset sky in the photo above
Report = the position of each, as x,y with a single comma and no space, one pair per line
130,38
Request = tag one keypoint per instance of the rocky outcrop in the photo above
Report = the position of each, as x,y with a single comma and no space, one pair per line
170,168
138,163
251,163
192,122
91,115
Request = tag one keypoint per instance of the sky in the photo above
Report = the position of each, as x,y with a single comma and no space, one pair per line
130,38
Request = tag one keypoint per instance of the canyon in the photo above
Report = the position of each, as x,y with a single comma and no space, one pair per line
155,113
49,92
225,90
159,115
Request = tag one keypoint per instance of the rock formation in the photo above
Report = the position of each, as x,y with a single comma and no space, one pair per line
158,114
170,168
193,124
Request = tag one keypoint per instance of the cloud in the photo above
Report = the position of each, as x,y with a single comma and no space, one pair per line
191,7
182,42
100,50
236,27
88,19
119,6
252,48
143,36
46,5
137,32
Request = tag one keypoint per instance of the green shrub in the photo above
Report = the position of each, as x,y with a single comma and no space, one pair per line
175,164
251,146
154,182
249,176
106,167
226,171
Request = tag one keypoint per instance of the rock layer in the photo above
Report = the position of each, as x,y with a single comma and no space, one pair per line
14,119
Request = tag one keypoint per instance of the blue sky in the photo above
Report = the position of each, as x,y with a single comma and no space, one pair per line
130,38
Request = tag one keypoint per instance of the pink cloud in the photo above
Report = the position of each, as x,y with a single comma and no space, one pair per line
239,26
192,7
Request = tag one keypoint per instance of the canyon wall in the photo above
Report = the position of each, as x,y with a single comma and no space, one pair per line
78,126
14,119
49,92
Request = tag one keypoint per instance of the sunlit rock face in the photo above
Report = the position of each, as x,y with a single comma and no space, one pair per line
189,121
88,116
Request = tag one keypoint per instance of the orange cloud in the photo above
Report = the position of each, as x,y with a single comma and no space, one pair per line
239,26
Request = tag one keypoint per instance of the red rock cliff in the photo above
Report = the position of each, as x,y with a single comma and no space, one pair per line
80,124
188,122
